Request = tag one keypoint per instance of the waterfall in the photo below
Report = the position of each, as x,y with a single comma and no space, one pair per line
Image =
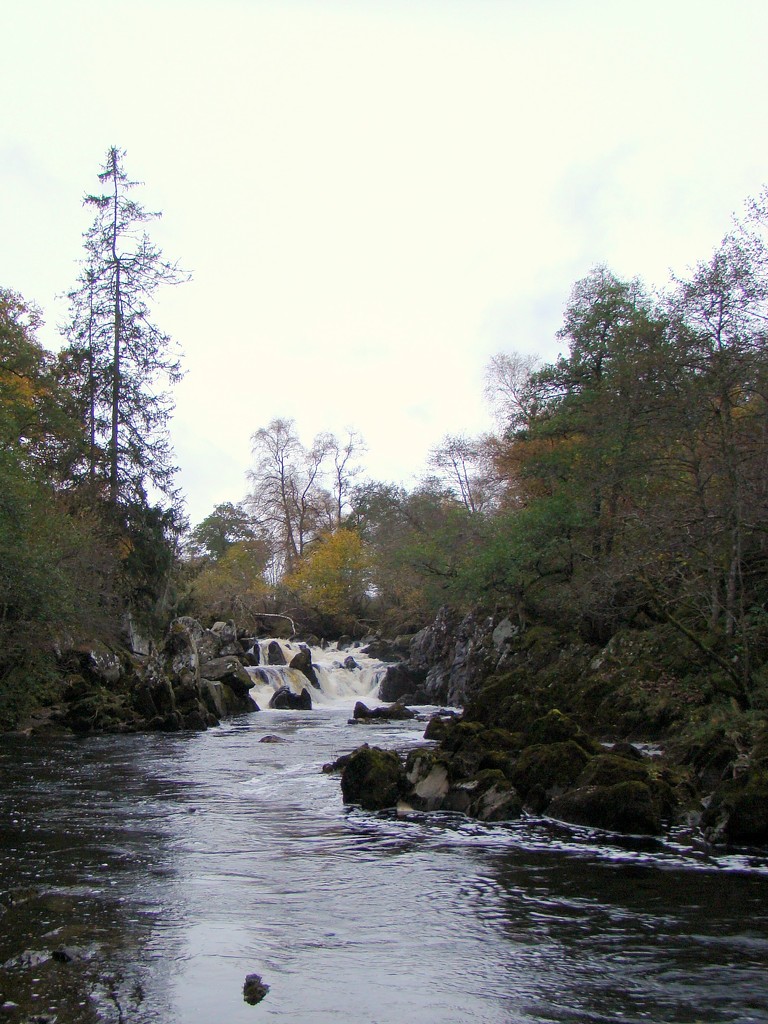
344,676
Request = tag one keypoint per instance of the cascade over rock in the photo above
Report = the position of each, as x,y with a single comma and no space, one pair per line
303,662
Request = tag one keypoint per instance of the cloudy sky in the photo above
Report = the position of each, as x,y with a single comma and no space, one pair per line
373,196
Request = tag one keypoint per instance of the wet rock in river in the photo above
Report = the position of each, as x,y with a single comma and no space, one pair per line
254,989
275,654
398,681
302,661
738,810
391,712
627,807
29,958
285,699
373,778
544,771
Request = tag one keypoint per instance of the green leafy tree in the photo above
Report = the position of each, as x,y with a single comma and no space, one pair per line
714,473
57,568
419,543
39,413
228,524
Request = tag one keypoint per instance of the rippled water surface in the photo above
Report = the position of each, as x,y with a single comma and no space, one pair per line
171,866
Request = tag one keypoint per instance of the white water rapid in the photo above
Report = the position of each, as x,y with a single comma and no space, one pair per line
344,676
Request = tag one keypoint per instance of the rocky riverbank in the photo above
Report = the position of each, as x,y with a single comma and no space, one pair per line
557,726
554,768
550,723
192,680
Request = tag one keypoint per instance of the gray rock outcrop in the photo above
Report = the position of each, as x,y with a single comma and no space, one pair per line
450,659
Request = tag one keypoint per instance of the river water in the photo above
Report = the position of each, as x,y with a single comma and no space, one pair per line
163,869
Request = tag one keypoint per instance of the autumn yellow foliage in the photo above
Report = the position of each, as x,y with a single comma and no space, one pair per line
333,577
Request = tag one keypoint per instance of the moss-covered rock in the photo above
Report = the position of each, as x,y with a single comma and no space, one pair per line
496,799
738,810
555,727
497,760
437,726
373,778
100,710
461,734
626,807
546,770
610,770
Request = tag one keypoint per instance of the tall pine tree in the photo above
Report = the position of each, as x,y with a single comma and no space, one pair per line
126,361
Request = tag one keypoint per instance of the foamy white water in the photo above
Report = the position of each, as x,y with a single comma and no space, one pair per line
345,676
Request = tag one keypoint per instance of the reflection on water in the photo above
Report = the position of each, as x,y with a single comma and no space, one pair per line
169,867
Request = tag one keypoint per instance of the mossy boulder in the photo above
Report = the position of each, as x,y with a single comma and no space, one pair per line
438,726
738,810
461,734
97,709
373,778
496,799
555,727
610,770
497,760
627,807
545,770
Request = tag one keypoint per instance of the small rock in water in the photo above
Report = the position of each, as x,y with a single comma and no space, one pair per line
270,738
66,954
254,989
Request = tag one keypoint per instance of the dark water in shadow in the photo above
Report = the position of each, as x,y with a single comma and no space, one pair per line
172,866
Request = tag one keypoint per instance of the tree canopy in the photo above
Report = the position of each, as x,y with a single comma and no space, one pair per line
625,483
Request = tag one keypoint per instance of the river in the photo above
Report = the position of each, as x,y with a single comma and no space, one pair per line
162,869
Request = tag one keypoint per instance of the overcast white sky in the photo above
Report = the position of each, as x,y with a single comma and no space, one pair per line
373,196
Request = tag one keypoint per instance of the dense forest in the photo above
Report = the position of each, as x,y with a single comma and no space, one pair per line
625,485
